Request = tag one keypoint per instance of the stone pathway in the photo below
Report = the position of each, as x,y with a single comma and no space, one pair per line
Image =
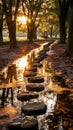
39,107
35,108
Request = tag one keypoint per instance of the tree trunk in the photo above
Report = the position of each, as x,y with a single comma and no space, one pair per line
62,31
35,33
1,28
70,37
51,31
12,33
11,15
1,35
64,5
31,31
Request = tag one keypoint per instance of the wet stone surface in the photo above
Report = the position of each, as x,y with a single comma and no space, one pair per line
25,96
20,123
46,48
30,74
36,65
33,69
36,108
34,87
35,80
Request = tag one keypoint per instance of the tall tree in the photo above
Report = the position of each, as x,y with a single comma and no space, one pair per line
31,9
63,7
10,9
69,51
48,18
1,22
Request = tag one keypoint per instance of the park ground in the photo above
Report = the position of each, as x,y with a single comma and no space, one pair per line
62,66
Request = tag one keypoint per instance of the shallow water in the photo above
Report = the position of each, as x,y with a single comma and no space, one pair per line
58,99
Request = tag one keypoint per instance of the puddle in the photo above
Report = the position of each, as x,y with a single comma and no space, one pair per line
59,99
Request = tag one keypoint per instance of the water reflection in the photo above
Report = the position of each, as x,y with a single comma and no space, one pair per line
50,98
21,64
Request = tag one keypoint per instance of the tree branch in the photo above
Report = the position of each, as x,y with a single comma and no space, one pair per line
60,3
16,10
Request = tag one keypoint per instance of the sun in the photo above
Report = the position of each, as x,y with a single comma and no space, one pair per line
22,19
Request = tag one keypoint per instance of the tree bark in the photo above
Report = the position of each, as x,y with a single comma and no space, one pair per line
70,37
62,29
12,33
64,5
51,31
31,31
1,28
11,20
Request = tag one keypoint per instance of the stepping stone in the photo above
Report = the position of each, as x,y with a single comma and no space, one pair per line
36,88
25,96
36,64
34,69
43,56
26,123
38,58
30,74
42,52
35,108
46,49
47,45
35,80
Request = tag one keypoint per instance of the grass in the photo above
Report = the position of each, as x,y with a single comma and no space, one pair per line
6,39
20,39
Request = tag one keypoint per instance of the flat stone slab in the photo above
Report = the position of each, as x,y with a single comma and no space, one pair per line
47,45
36,64
26,123
25,96
43,52
37,60
34,87
43,56
46,48
35,80
35,108
40,58
32,69
29,74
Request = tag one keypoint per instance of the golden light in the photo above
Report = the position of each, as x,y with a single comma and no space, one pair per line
22,19
22,62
